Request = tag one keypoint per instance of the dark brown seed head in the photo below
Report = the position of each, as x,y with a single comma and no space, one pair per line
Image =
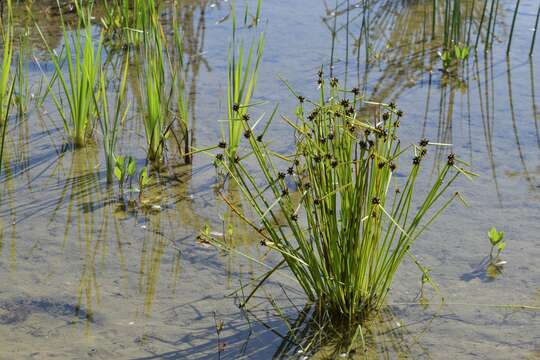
317,158
416,160
294,217
385,116
392,166
381,165
316,201
451,159
333,82
375,201
399,113
290,170
301,99
247,133
236,107
236,159
259,138
296,162
355,91
345,103
423,152
424,142
284,192
392,106
331,136
245,117
362,144
280,175
219,157
222,144
333,163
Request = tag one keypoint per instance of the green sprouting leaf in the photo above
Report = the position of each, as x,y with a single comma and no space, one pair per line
501,246
131,166
495,236
120,161
118,173
458,52
144,179
465,53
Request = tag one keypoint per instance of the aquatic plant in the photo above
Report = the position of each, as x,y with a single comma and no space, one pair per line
178,78
83,59
126,19
496,239
534,31
109,122
23,95
241,81
155,97
124,170
353,220
7,58
512,27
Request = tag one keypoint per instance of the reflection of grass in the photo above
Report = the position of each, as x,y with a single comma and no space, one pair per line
361,219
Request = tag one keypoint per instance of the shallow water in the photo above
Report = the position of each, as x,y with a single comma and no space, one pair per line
82,277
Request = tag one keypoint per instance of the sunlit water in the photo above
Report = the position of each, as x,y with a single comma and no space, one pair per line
83,277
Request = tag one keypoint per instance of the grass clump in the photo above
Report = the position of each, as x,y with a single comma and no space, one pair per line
7,58
110,121
155,96
7,83
83,59
352,220
126,19
241,81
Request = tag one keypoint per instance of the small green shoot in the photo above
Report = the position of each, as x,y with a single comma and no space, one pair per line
124,169
496,240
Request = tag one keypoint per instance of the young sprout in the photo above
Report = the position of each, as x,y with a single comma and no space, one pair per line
495,238
124,168
144,179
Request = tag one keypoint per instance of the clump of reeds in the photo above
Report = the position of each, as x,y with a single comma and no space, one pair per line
241,81
155,97
83,59
7,83
126,19
7,58
355,220
175,55
109,121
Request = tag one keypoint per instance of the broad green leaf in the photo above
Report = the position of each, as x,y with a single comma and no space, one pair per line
120,161
118,173
131,166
